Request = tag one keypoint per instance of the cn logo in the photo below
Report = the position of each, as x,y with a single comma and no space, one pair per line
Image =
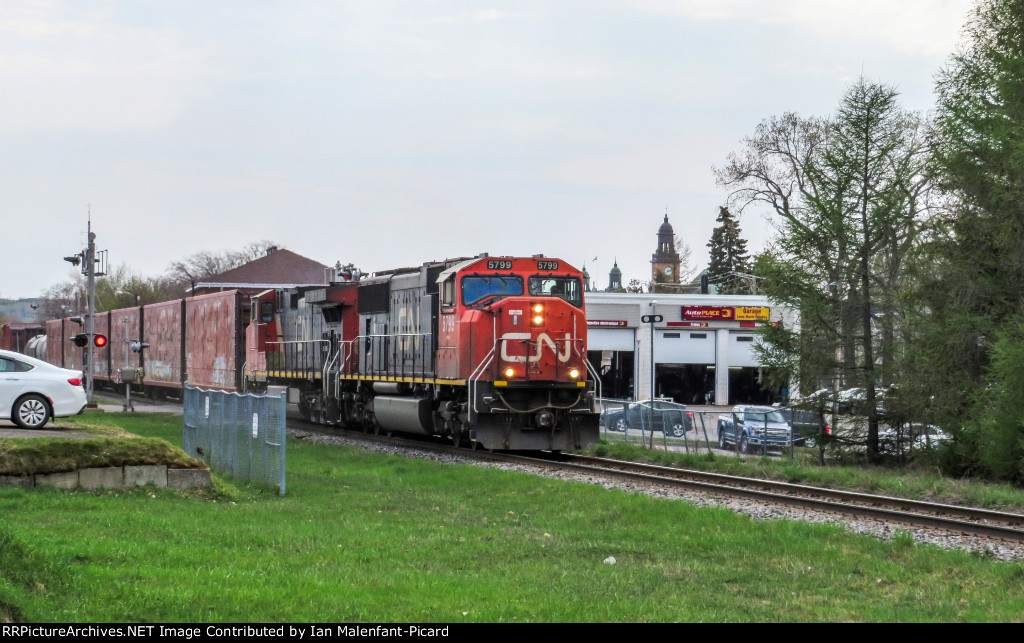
542,341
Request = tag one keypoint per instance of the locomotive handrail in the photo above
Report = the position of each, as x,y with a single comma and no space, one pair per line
474,377
592,371
342,346
305,366
372,353
477,373
327,369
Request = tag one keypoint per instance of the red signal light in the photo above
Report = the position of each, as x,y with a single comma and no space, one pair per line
100,341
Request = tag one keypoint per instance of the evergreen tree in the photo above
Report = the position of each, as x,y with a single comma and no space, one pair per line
728,260
973,287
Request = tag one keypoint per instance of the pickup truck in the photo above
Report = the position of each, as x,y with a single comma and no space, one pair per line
755,428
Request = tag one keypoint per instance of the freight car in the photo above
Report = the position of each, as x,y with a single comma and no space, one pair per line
15,336
489,351
196,340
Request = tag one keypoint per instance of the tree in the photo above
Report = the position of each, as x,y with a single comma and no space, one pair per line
847,197
728,256
634,286
63,299
119,288
122,288
201,265
972,290
687,268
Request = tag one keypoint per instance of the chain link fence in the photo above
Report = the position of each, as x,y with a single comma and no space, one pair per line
669,426
241,434
658,424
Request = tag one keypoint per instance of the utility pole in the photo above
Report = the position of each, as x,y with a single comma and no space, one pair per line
89,258
652,320
90,321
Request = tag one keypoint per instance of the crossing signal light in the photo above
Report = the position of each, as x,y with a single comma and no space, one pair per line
82,340
137,347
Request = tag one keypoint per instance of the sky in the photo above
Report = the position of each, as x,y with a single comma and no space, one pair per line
388,134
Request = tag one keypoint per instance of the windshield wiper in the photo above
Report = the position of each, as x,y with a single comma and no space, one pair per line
489,299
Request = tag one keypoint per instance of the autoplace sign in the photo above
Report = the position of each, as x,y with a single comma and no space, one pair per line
716,313
726,313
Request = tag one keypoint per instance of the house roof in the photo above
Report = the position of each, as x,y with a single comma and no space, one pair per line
276,268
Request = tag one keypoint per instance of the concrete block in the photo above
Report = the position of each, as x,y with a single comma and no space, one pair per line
16,481
140,476
188,478
101,478
64,480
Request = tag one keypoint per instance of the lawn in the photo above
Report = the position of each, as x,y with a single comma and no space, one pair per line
374,538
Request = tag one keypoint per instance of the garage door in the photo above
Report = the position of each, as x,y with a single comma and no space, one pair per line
741,349
610,339
684,347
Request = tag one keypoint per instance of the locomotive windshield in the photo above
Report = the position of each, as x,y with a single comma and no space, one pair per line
477,288
568,288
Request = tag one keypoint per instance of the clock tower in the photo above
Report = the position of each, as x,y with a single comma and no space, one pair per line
665,261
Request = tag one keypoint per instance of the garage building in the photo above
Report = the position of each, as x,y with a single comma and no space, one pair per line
704,346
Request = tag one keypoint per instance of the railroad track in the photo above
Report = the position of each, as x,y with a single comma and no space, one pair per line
901,511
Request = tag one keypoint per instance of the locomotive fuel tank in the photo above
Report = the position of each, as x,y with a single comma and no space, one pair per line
404,414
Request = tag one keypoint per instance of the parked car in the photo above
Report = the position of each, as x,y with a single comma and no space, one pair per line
671,418
807,426
911,437
32,391
755,428
851,401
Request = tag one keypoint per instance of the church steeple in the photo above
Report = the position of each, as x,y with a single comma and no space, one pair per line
665,260
615,277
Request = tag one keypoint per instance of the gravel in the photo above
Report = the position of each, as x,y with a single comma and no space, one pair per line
755,509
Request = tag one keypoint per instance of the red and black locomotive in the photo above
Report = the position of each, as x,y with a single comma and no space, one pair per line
490,351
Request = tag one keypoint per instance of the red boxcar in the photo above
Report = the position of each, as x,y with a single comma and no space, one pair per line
101,355
14,335
55,342
163,331
214,340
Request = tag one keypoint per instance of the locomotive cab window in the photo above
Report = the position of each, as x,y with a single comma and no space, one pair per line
476,288
567,288
267,312
448,292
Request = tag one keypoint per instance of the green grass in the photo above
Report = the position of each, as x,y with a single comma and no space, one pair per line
52,455
915,482
368,537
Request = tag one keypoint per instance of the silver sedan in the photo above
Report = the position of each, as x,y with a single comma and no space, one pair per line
32,391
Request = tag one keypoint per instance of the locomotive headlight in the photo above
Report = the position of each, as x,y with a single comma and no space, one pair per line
538,320
574,373
538,308
510,372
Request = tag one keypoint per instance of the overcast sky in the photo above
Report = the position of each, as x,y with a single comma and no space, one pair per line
388,134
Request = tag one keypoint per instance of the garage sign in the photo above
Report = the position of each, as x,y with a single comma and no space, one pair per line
752,313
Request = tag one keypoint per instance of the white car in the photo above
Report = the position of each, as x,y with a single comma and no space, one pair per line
32,391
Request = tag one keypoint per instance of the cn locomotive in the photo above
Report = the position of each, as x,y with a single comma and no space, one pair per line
488,351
